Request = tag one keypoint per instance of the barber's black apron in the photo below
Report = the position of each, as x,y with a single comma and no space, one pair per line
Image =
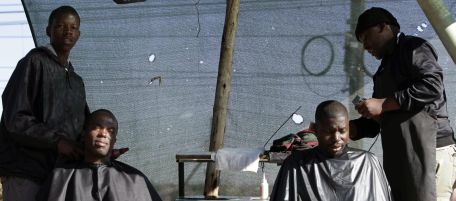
408,139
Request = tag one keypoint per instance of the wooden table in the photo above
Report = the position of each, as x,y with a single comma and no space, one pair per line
205,157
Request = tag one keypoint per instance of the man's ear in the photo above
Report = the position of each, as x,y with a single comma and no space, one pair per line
78,35
48,31
383,27
312,125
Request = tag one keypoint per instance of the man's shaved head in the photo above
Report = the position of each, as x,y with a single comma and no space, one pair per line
332,127
328,109
94,115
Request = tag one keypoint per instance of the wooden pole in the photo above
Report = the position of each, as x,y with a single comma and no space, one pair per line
353,62
442,21
222,94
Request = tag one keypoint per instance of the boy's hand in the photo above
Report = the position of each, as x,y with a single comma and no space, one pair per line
69,149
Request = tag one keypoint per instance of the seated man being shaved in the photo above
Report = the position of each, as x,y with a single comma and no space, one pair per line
332,170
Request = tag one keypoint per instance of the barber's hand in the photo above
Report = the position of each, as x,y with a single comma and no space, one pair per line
69,149
115,153
371,108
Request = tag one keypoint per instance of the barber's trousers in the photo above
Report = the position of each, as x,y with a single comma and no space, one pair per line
19,189
445,172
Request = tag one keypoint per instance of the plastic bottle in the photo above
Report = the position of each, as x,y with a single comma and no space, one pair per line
264,188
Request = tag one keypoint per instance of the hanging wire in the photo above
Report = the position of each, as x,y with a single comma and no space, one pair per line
264,146
262,167
306,71
198,15
373,143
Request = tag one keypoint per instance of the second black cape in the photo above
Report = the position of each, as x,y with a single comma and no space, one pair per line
355,175
83,182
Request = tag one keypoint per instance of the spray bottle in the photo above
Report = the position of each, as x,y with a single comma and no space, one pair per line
264,188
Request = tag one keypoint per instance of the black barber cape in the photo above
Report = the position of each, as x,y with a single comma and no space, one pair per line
83,182
355,175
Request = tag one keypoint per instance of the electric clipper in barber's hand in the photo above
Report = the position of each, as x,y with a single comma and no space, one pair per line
358,100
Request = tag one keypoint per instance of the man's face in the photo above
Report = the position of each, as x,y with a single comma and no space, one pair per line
333,134
101,136
64,31
374,40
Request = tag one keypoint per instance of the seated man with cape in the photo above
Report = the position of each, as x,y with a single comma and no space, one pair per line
98,176
332,170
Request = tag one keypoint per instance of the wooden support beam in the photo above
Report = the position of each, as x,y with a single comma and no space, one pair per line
222,94
443,22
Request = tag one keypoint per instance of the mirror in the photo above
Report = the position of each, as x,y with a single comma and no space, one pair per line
297,118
